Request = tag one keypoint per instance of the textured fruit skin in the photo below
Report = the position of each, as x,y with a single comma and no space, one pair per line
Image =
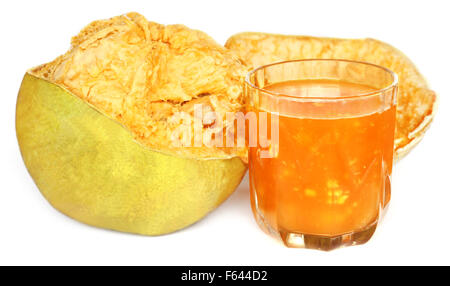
90,168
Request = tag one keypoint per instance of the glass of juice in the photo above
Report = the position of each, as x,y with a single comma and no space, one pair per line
320,175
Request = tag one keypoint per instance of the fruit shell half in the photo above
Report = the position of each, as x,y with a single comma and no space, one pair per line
89,167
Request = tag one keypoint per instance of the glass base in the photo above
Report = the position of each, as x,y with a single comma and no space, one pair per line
311,241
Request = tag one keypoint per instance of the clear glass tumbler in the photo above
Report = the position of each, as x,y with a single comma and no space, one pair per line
323,178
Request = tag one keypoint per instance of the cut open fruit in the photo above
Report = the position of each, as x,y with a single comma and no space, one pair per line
416,106
94,126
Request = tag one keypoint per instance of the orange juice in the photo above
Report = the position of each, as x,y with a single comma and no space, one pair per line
331,172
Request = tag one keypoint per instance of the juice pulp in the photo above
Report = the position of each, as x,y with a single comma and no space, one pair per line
331,173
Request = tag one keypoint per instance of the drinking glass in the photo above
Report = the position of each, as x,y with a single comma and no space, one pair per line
320,174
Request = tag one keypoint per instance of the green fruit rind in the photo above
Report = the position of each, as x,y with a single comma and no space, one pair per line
89,167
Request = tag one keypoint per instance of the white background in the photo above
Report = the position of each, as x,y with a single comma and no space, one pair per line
416,229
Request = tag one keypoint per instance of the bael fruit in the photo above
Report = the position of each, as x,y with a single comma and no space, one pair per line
416,106
90,160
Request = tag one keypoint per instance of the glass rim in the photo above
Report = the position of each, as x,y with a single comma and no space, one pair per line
393,84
